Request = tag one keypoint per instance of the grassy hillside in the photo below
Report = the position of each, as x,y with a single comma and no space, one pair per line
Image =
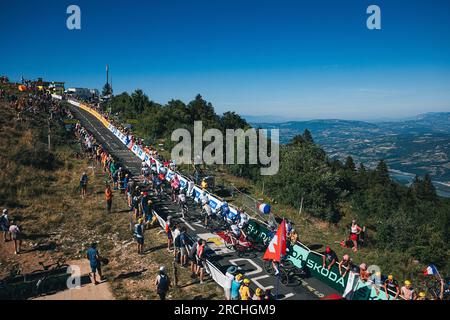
40,188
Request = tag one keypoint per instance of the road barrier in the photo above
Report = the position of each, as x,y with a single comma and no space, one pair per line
300,255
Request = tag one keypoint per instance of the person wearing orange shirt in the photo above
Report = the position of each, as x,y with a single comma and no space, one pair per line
108,198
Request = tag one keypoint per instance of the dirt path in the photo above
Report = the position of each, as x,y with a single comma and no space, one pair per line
87,291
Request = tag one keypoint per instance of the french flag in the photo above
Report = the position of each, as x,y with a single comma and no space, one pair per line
430,270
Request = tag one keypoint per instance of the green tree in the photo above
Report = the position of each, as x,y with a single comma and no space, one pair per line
139,100
307,136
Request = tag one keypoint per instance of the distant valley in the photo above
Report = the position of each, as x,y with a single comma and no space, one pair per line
417,146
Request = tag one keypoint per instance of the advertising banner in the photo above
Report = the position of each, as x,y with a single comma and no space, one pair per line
217,276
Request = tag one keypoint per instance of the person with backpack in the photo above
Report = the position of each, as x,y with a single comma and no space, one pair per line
162,283
139,235
4,225
193,257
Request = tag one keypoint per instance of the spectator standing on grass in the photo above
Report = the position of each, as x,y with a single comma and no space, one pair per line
355,230
193,257
330,258
235,286
108,198
83,184
176,241
391,285
16,236
129,190
135,202
139,235
4,225
184,247
201,260
94,260
168,230
162,283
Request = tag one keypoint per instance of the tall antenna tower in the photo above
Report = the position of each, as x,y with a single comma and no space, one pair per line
107,74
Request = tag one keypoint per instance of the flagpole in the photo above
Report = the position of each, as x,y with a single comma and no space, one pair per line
438,273
278,275
278,284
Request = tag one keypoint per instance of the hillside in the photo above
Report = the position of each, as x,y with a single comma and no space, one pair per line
413,147
41,190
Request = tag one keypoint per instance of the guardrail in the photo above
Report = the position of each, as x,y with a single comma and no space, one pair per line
301,256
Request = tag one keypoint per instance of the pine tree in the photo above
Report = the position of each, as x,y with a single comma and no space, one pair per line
382,173
350,164
307,136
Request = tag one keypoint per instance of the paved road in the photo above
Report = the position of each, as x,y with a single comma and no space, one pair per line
252,264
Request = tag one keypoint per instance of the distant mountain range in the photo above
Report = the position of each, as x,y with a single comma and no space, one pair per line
417,146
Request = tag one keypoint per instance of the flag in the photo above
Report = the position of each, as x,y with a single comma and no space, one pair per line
430,270
277,246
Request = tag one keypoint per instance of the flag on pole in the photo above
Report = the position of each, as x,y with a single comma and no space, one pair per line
277,246
430,270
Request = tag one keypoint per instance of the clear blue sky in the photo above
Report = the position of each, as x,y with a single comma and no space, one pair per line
296,59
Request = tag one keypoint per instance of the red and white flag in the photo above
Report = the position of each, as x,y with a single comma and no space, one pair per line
277,247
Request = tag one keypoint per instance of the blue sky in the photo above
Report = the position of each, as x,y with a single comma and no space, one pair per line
293,59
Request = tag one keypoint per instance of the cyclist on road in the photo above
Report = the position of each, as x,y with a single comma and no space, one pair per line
243,220
224,210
